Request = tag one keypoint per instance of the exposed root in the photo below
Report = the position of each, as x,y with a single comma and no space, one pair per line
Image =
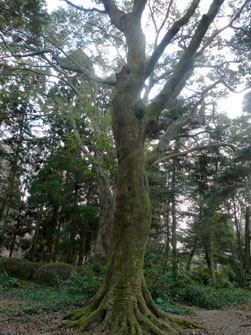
182,322
130,315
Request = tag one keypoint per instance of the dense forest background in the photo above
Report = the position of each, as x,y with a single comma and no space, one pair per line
58,160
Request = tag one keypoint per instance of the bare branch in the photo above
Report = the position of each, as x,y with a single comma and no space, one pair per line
219,31
199,148
86,10
230,88
176,126
169,36
185,66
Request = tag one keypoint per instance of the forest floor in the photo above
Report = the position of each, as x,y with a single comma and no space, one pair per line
228,321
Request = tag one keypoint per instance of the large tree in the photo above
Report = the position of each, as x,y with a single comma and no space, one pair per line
123,304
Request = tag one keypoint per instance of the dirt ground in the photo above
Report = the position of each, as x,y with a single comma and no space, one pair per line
229,321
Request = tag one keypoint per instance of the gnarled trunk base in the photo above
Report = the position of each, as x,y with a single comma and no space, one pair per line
128,314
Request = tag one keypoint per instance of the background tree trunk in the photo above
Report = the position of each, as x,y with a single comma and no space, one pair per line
247,243
36,234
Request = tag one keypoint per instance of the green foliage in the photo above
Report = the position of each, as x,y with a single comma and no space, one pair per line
201,275
7,282
190,288
19,268
36,299
170,307
52,273
85,284
2,237
160,279
213,298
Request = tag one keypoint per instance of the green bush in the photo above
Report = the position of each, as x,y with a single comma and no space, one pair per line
85,283
19,268
201,275
192,289
213,298
161,281
53,273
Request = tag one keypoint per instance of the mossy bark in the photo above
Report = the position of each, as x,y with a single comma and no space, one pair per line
123,305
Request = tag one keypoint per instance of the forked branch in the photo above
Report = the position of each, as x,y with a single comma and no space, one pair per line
169,36
184,68
199,148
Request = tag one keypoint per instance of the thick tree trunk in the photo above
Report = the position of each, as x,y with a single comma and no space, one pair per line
192,253
55,255
4,210
123,305
72,226
15,234
70,246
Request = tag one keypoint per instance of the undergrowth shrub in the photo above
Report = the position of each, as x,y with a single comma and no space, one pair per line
53,273
160,280
7,282
35,298
166,289
85,282
19,268
213,298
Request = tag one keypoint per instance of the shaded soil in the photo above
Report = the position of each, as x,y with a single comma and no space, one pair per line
229,321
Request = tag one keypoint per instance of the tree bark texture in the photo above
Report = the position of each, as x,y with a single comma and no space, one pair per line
174,223
247,242
51,234
123,305
211,250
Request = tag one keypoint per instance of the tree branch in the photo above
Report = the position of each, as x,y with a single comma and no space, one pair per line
139,6
78,68
169,36
176,126
116,15
199,148
86,10
184,68
219,31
